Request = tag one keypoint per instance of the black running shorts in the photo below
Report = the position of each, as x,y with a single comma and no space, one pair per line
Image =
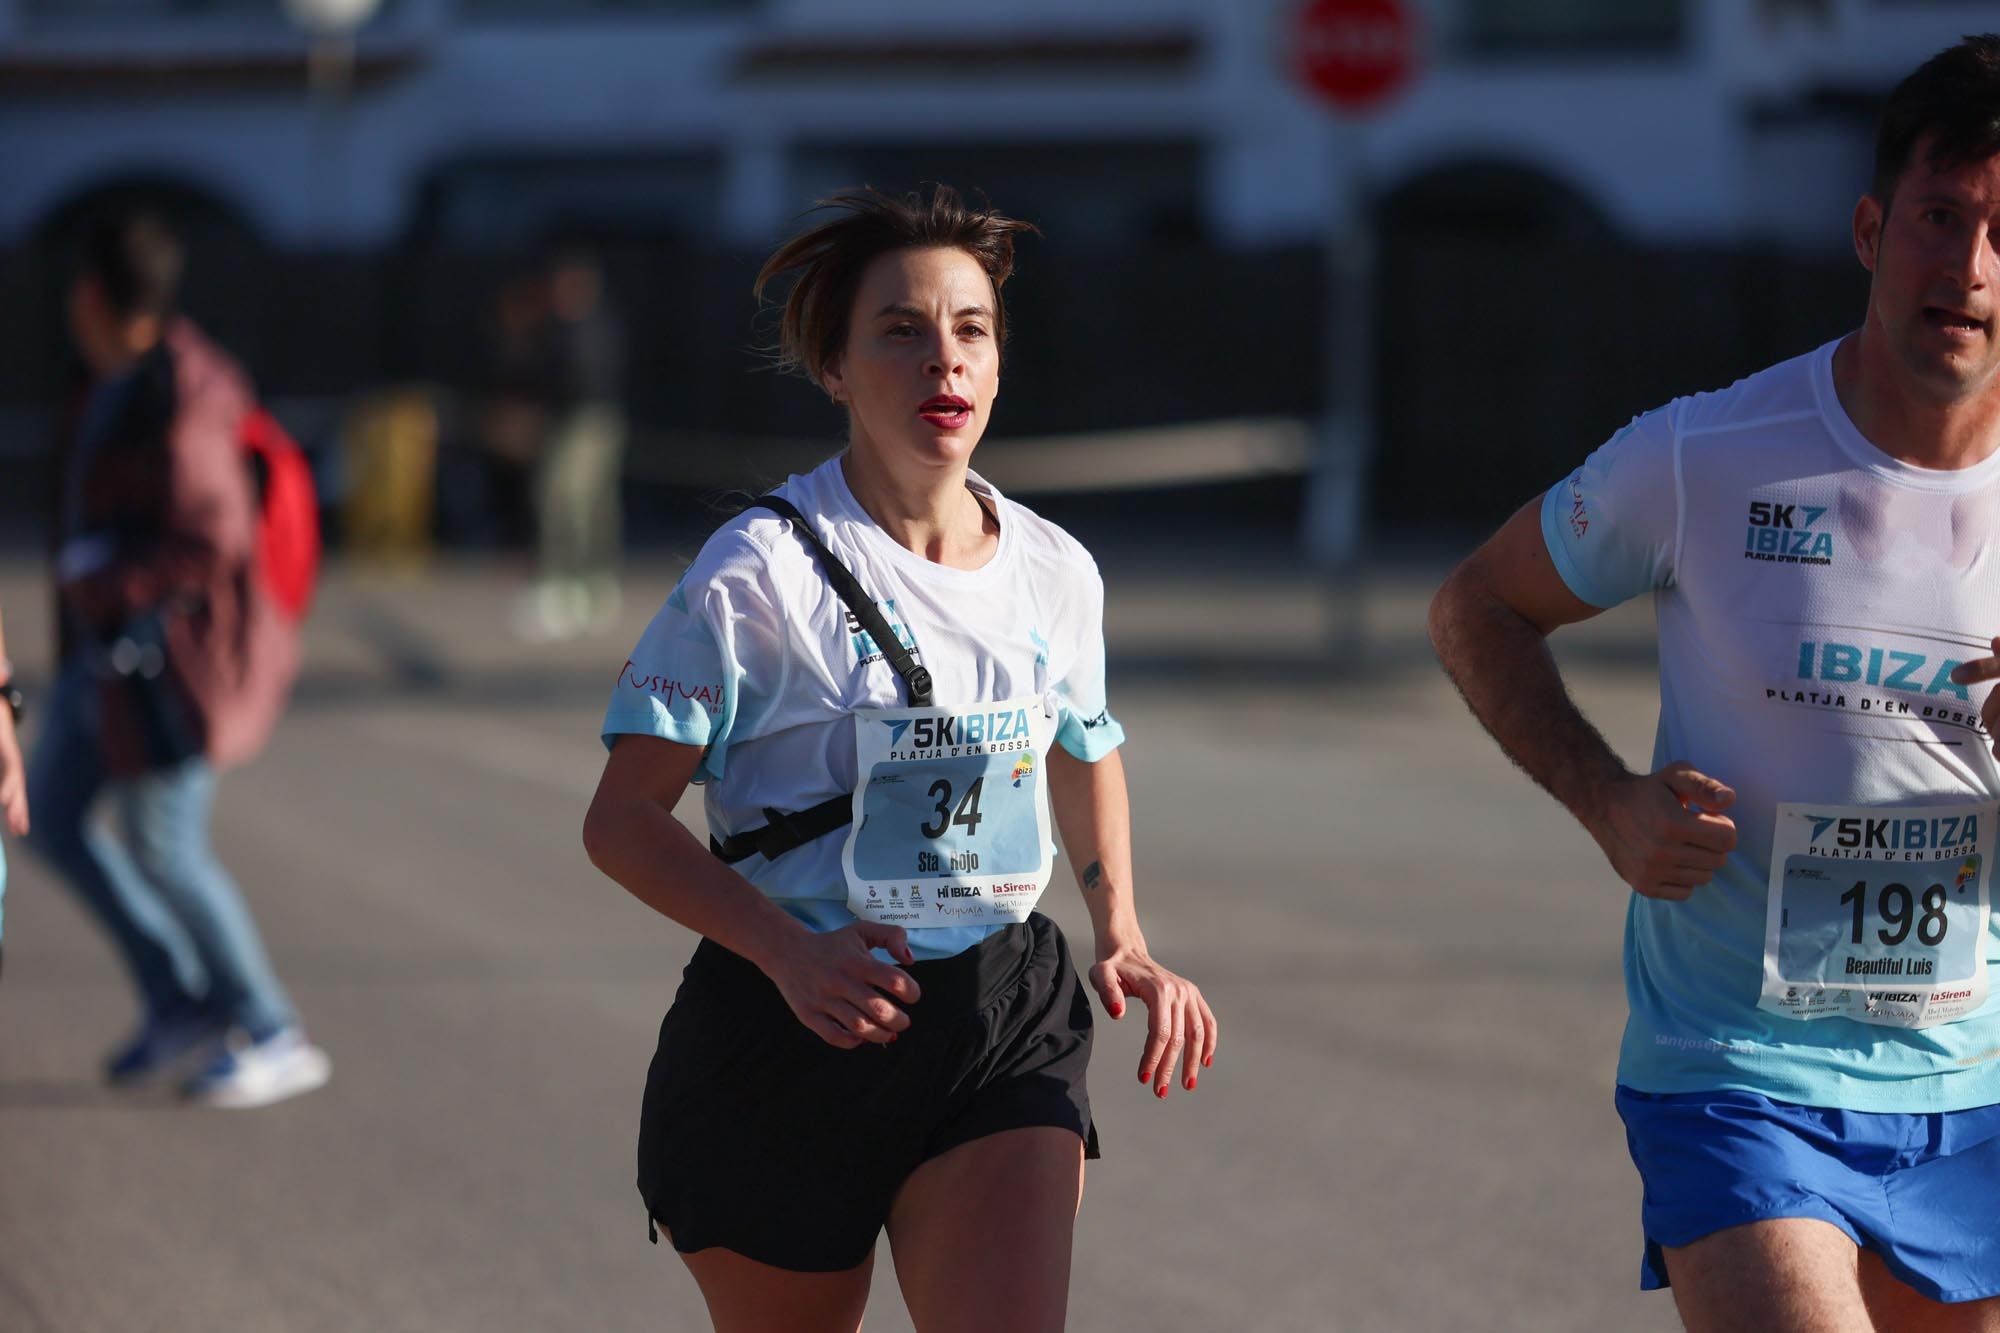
759,1137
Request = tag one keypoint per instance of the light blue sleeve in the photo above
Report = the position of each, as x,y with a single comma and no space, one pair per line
1611,526
711,657
1086,728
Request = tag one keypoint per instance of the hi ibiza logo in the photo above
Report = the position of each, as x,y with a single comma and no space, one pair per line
1788,534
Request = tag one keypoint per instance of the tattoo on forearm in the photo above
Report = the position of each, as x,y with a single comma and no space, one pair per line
1093,874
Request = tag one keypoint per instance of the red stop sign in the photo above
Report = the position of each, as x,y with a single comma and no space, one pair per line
1354,53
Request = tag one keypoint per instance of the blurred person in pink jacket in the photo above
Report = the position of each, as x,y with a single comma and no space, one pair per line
173,665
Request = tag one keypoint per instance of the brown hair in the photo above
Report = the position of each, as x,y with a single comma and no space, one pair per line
136,259
830,258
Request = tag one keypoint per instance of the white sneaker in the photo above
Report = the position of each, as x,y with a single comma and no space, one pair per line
282,1065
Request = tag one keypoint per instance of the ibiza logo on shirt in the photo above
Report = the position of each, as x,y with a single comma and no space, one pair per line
866,650
1890,668
1786,532
1881,681
670,689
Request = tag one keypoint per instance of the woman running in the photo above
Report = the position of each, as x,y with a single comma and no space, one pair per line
889,676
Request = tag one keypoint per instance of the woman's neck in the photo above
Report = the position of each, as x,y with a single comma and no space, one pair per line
934,515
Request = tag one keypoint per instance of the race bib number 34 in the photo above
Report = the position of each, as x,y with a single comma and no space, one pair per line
1878,913
951,815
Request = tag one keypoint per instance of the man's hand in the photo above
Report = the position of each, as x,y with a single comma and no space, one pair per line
1979,671
1664,832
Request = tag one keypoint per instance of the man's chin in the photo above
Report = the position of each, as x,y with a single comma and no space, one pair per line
1954,373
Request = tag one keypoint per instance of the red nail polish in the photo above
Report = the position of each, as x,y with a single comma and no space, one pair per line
1208,1062
1189,1085
1163,1090
1145,1076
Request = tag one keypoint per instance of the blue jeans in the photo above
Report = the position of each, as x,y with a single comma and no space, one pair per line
174,914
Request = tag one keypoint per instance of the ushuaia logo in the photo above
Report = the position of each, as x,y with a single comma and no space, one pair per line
707,696
1579,513
1788,534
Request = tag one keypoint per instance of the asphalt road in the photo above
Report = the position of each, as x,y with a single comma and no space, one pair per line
1414,955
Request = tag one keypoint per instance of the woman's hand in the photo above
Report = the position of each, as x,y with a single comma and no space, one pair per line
837,988
1181,1026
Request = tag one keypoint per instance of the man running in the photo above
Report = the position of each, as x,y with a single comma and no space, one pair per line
1810,1077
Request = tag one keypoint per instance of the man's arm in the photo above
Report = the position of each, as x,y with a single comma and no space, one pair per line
1490,624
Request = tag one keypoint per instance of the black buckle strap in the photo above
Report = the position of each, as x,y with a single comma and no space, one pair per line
784,831
916,679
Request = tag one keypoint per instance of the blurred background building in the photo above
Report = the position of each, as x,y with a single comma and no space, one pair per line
1579,208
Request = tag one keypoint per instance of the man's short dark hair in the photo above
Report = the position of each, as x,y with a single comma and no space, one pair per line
136,259
1955,98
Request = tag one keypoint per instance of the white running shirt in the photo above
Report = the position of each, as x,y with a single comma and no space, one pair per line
755,658
1813,595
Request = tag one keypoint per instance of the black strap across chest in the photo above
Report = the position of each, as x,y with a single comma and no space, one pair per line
782,832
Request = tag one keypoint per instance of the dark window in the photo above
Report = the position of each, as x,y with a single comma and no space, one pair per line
1506,27
1090,194
557,9
83,11
510,203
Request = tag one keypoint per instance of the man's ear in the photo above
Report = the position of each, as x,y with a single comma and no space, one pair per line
1869,215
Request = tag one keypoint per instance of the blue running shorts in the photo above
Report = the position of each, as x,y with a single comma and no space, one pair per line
1921,1191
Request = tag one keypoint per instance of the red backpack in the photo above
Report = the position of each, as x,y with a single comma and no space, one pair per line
287,513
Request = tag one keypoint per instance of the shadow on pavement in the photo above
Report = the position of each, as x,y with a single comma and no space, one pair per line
80,1094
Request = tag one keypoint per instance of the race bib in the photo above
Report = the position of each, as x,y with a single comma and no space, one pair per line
1878,913
951,813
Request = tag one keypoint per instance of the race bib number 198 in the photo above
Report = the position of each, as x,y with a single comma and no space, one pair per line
1878,913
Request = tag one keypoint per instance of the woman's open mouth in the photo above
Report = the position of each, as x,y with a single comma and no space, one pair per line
947,411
